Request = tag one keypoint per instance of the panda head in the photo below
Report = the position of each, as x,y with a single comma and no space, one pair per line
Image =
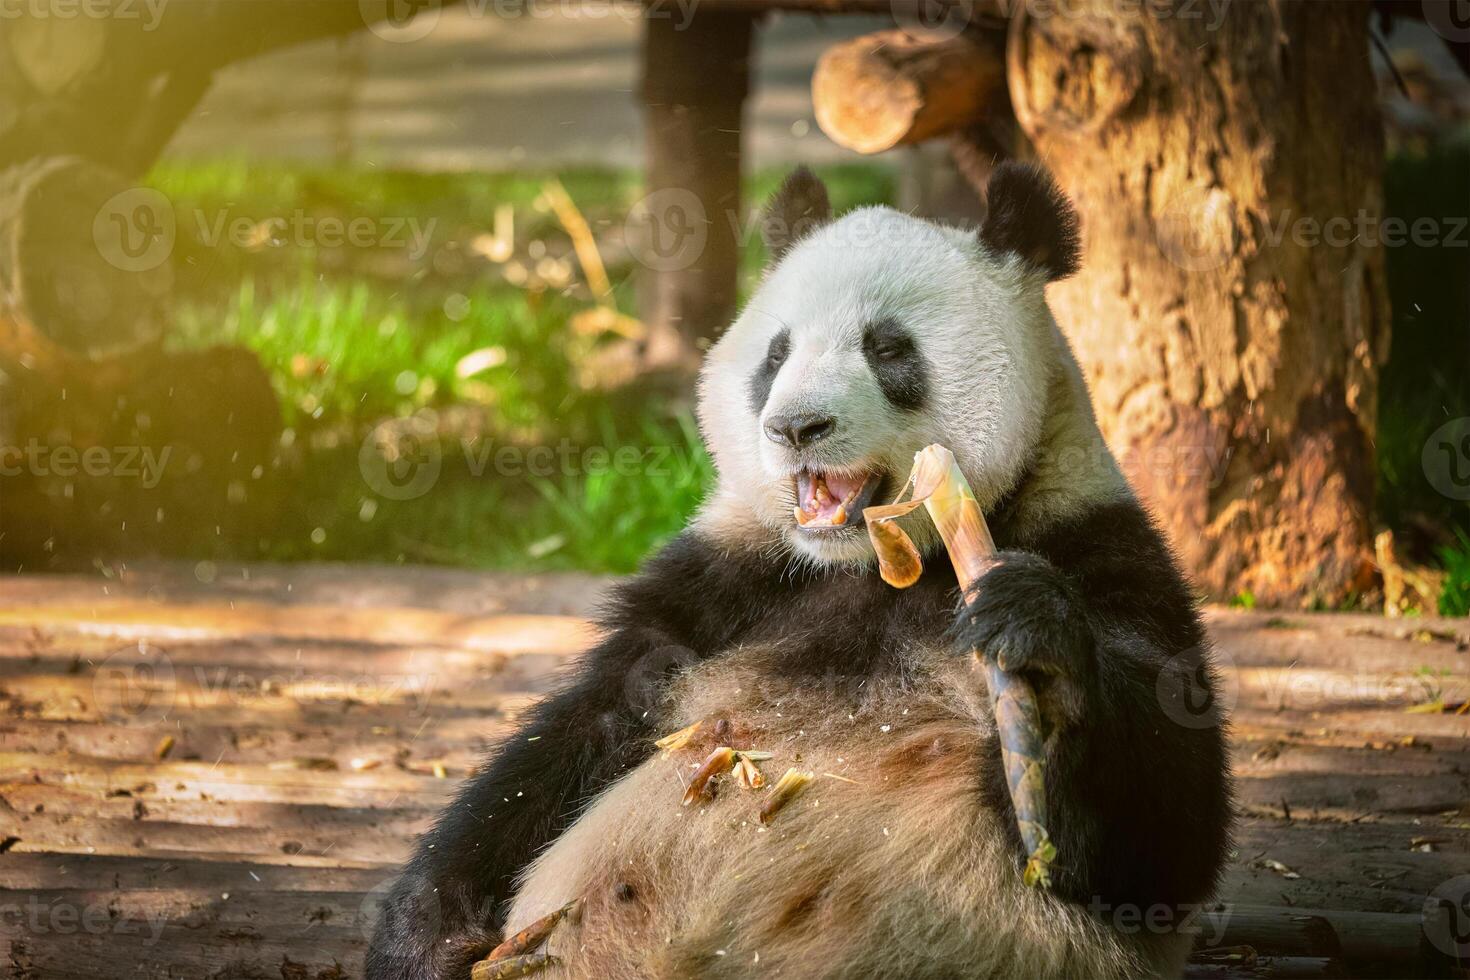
871,336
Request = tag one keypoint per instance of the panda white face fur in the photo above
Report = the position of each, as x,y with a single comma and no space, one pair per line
874,335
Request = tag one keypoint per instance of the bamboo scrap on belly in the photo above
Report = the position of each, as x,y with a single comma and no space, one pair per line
787,788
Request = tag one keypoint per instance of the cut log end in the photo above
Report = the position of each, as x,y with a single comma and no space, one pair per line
84,256
891,88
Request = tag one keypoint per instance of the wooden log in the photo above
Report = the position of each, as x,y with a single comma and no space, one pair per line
52,54
1374,942
208,419
897,87
915,13
84,257
114,88
1270,931
24,350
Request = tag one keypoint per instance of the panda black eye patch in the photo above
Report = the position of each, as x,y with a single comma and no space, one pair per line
896,363
765,375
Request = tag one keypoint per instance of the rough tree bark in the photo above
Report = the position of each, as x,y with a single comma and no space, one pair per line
1231,314
695,80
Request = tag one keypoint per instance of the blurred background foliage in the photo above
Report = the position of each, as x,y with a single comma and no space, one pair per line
1426,381
479,335
492,312
473,333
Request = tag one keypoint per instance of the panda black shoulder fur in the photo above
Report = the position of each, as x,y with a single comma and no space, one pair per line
872,336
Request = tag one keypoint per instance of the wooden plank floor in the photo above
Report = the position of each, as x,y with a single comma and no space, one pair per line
212,772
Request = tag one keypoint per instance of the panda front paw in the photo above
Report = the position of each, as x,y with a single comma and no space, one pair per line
1029,619
425,932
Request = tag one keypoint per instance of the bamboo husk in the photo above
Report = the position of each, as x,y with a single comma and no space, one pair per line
787,788
938,485
717,763
529,938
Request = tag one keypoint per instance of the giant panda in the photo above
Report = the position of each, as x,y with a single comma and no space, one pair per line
870,336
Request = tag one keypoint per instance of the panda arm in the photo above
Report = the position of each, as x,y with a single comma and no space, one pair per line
1137,792
451,897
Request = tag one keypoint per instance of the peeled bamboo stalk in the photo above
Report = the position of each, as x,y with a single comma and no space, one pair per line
938,485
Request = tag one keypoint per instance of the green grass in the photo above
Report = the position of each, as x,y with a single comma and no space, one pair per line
349,351
479,347
585,515
1455,600
1425,384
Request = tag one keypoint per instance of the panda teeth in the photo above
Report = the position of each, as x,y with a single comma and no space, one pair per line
809,512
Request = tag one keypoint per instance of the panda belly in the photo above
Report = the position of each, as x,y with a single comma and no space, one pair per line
888,865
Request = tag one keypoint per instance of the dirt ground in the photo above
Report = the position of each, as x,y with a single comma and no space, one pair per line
212,771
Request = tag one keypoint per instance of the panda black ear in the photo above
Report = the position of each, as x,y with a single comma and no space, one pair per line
799,207
1029,216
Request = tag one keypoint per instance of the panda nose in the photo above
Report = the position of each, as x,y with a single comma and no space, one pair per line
799,430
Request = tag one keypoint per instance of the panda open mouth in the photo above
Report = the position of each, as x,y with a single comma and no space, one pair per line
829,501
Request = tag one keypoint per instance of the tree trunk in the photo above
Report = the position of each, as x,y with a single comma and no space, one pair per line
1232,313
695,79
